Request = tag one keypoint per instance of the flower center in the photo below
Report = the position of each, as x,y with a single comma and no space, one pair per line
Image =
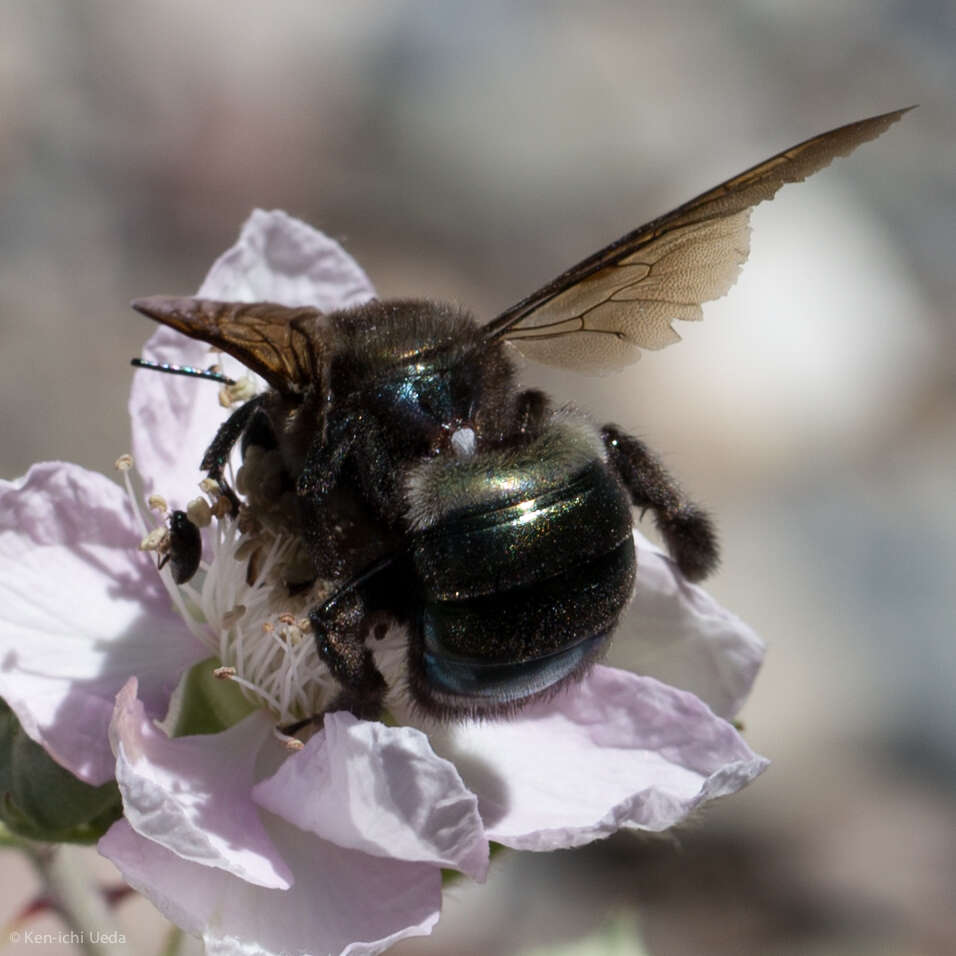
249,600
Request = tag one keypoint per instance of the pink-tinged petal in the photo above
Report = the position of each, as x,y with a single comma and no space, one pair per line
82,609
615,750
342,901
679,634
192,795
173,418
381,790
281,259
276,259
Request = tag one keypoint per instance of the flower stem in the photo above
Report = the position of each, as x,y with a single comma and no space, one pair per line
77,899
173,943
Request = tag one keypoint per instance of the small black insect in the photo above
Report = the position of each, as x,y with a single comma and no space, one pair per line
434,491
183,549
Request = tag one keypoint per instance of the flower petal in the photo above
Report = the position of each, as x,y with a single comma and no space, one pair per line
173,418
281,259
342,902
381,790
615,750
82,609
679,634
192,794
276,259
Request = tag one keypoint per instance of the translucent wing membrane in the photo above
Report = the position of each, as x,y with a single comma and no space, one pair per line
599,314
282,344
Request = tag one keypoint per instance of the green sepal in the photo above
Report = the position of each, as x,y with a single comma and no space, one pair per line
206,704
40,800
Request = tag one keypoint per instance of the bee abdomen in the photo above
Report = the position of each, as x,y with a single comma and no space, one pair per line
495,550
518,598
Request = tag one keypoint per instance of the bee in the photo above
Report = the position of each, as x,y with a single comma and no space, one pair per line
436,492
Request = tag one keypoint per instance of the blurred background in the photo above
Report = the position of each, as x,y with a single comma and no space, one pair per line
471,152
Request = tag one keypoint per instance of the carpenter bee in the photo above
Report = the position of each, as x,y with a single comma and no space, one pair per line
433,490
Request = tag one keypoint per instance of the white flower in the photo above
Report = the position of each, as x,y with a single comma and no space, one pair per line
339,847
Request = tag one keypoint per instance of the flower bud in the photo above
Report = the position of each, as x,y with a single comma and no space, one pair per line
40,800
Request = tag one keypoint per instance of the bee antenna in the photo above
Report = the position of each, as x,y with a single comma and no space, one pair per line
212,374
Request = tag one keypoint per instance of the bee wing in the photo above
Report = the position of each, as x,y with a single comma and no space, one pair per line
283,344
599,314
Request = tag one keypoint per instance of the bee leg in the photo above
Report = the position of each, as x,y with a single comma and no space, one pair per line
325,457
687,530
259,432
290,730
532,410
341,626
338,630
217,454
